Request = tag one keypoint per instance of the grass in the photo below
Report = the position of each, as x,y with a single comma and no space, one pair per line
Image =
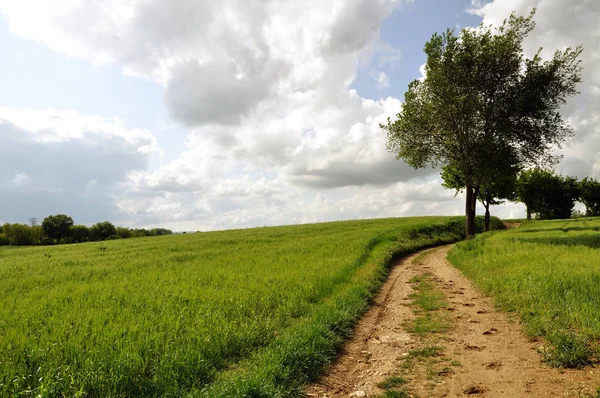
426,352
392,387
255,313
547,272
392,382
403,393
428,300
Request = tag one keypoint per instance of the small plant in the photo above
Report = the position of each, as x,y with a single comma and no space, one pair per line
427,352
391,382
102,248
396,394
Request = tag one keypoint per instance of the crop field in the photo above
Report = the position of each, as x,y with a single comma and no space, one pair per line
255,312
547,272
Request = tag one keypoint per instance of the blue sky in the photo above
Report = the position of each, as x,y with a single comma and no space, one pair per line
204,116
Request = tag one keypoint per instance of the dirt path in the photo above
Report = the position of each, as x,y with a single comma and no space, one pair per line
483,353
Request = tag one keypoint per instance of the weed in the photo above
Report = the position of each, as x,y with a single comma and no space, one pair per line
403,393
426,352
391,382
420,258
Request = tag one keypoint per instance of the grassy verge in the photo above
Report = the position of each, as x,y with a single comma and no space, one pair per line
547,272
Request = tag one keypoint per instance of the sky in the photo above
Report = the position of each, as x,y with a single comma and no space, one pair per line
202,115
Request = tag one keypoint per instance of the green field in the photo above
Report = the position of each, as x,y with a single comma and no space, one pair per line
254,312
547,272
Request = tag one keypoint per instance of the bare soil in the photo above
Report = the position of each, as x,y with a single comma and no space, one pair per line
484,353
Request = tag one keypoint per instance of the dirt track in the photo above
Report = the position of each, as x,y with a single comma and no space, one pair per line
483,354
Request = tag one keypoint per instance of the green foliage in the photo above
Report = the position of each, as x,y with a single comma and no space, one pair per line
254,312
80,233
427,352
546,194
391,382
501,185
590,196
25,235
57,226
102,231
123,233
548,273
483,108
568,349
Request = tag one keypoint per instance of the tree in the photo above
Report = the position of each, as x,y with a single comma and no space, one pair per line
493,192
57,227
590,196
80,233
123,232
546,194
102,230
483,105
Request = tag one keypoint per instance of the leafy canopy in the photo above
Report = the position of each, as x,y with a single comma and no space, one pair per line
57,226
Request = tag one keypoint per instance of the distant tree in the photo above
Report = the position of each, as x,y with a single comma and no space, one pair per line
80,233
546,194
160,231
22,235
37,235
57,227
123,232
590,196
481,101
140,232
102,230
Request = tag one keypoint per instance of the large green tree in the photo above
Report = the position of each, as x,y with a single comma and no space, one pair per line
482,102
57,226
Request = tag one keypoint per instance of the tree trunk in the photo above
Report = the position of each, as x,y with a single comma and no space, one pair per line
528,214
486,225
470,211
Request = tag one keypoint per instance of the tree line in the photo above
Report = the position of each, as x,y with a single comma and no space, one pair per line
545,194
60,229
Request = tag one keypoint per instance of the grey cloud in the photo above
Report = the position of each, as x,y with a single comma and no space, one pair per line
212,93
347,173
74,177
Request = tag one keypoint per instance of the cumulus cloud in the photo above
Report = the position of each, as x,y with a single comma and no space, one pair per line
63,162
383,80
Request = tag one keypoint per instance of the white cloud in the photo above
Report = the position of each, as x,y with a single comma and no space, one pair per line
21,179
382,80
